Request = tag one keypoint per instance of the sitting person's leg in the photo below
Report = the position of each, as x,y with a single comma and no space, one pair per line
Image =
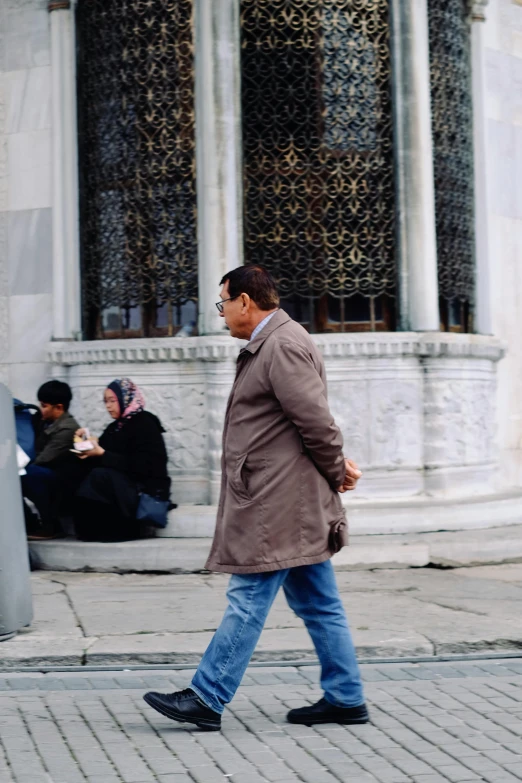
39,485
102,522
95,521
105,508
70,477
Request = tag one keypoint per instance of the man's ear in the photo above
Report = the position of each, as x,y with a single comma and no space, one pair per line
59,407
246,301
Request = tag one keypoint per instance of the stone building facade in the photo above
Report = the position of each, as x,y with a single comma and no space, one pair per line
425,404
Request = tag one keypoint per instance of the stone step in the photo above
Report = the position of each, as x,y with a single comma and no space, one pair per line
188,555
386,516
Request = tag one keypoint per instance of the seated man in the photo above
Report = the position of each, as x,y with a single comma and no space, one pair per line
49,478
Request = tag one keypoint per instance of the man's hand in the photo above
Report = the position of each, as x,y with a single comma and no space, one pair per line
353,474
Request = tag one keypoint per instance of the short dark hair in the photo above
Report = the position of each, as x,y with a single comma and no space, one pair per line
55,393
254,281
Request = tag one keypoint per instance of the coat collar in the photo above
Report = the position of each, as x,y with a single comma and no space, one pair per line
65,422
279,318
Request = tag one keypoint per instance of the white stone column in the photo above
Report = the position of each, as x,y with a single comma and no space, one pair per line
66,256
419,306
483,323
218,151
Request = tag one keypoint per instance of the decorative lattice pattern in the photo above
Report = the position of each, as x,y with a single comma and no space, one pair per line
318,153
137,165
452,125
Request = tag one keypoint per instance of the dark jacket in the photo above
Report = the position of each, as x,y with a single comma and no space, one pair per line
282,458
54,441
138,449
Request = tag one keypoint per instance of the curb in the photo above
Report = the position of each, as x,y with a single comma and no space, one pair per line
12,657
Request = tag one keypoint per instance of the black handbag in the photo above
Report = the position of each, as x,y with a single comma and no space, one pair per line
153,511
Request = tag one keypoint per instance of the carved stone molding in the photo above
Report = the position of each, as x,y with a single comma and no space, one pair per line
473,346
174,349
387,345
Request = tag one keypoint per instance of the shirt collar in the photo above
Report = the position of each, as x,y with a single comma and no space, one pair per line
261,325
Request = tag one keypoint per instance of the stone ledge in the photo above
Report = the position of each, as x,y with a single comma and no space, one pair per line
146,350
185,555
216,348
418,514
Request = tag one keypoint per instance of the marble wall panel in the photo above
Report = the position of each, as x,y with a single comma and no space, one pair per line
27,99
503,107
503,140
25,379
349,402
30,327
26,36
29,170
498,82
3,167
4,328
459,413
396,424
182,406
4,288
503,25
30,252
506,277
3,112
4,267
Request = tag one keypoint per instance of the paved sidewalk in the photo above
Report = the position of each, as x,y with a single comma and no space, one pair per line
138,618
430,724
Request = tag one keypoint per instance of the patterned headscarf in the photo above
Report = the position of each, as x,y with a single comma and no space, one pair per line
130,398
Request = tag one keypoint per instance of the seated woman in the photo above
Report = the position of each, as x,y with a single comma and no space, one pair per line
130,457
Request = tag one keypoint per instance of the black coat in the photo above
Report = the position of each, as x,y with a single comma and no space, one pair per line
138,450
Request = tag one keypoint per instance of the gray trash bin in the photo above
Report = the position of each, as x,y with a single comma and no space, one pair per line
16,610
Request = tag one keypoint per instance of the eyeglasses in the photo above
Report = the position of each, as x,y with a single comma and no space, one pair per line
219,305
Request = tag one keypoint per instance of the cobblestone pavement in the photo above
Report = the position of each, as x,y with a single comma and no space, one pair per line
431,723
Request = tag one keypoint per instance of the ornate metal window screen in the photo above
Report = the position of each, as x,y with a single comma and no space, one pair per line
137,166
452,126
318,157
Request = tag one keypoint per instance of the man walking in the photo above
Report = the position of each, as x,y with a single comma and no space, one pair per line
280,518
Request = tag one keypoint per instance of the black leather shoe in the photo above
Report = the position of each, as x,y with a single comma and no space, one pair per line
186,707
324,712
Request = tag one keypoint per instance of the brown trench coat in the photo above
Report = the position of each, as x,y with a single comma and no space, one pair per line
282,459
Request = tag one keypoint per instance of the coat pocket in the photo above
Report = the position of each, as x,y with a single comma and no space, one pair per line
338,537
236,480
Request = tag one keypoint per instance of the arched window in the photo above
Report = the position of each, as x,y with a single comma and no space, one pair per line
137,166
318,158
452,128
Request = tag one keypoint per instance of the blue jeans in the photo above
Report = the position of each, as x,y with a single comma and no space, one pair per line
311,591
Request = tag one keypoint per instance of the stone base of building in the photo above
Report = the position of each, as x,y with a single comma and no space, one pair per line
417,410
